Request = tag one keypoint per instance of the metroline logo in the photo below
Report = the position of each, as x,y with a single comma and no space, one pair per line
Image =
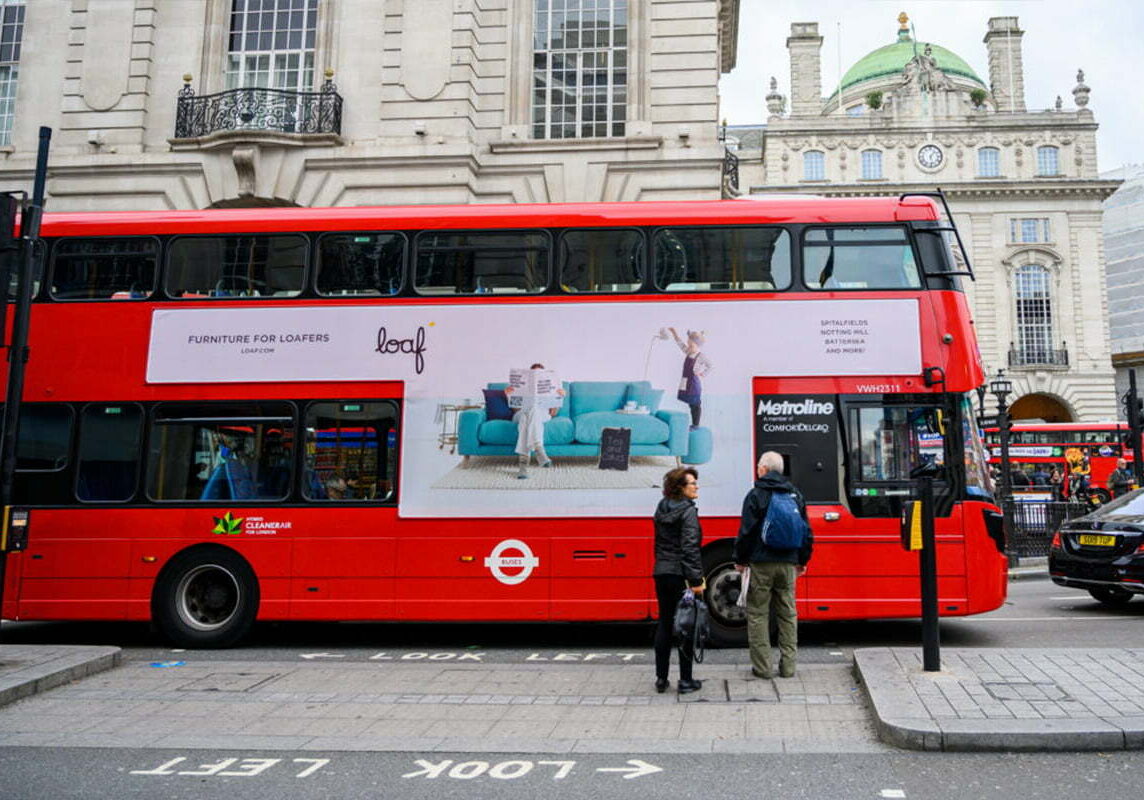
770,408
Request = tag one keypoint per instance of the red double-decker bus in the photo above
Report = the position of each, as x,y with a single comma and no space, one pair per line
300,414
1088,449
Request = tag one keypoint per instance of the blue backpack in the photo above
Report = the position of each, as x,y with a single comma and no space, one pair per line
783,527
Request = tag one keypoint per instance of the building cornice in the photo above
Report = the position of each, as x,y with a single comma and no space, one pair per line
728,34
1019,124
1096,189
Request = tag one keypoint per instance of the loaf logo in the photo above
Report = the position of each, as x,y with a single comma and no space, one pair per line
498,562
227,525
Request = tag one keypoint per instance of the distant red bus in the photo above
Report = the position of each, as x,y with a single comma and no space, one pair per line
299,414
1090,448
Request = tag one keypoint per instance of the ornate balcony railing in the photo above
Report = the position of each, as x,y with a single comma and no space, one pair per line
1038,356
258,109
730,172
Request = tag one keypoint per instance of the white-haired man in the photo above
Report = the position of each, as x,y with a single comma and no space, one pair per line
776,541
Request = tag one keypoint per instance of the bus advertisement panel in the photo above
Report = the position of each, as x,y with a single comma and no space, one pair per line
447,355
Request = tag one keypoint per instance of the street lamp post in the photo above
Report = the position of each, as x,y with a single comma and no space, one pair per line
981,405
1002,387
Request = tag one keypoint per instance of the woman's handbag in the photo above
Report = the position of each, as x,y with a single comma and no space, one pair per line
691,626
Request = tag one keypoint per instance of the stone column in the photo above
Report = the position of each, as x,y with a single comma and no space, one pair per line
805,46
1006,73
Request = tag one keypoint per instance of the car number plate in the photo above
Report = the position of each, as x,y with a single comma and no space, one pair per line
1095,540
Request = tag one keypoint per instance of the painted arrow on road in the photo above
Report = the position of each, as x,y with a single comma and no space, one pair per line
637,769
312,656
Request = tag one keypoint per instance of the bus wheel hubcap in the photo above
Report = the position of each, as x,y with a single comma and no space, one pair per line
207,597
722,595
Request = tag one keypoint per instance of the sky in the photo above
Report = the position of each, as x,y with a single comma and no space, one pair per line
1105,38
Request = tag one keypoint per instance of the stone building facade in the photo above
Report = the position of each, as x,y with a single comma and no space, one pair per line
1022,184
214,103
1124,248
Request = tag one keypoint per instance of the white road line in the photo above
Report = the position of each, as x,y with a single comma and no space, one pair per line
1078,596
893,793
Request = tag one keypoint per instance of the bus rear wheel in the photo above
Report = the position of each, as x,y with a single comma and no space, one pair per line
728,620
207,597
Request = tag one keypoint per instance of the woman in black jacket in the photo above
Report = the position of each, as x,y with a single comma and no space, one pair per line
677,565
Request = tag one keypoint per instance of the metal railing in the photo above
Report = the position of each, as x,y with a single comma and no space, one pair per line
1035,521
730,171
1038,357
258,109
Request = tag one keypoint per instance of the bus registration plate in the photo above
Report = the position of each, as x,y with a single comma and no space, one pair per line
1095,540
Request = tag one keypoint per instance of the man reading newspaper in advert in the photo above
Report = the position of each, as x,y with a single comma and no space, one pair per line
536,393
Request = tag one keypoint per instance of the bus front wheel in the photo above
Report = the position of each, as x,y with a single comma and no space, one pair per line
206,597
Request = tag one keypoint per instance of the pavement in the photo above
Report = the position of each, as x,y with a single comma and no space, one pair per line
996,699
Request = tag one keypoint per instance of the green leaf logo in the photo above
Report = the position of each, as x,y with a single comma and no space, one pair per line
228,525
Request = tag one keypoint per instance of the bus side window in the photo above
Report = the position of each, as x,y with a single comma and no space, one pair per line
104,268
109,441
601,260
737,258
44,437
351,451
505,262
236,266
221,451
859,258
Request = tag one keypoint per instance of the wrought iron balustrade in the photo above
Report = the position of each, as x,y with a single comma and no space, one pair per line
1038,357
258,109
730,171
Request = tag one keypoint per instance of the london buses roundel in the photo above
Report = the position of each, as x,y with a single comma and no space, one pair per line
505,556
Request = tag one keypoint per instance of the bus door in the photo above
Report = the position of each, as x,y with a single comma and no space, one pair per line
803,429
887,441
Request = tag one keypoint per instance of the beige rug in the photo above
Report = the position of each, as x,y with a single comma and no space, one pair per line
499,472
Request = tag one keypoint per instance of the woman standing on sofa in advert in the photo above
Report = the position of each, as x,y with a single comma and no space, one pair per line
530,431
677,565
695,366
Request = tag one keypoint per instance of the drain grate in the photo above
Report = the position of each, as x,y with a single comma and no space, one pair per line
229,682
1026,690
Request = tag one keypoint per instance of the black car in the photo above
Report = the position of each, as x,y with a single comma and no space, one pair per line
1103,551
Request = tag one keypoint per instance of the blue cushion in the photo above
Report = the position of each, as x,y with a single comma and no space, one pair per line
588,396
498,431
645,428
558,430
496,404
644,395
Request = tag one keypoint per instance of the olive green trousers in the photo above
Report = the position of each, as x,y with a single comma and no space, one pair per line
772,582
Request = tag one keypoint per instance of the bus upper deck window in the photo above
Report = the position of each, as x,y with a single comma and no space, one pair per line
360,263
104,268
259,265
504,262
599,260
737,258
859,258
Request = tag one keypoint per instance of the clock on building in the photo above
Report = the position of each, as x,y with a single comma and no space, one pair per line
930,156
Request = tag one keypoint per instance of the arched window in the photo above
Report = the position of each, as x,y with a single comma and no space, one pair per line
272,44
1032,292
1048,162
871,164
813,166
988,162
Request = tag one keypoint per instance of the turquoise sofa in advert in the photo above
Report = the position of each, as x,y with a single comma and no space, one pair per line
589,407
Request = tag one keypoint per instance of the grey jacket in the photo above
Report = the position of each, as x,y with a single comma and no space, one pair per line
677,540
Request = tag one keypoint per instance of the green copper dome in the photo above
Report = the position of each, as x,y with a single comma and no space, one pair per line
890,60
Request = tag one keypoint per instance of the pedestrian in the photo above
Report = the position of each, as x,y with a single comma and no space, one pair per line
1056,481
1120,480
775,503
678,566
1038,476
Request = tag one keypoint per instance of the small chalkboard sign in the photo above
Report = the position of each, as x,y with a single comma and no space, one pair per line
615,444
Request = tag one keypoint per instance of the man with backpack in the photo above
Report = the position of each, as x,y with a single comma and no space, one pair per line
776,540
